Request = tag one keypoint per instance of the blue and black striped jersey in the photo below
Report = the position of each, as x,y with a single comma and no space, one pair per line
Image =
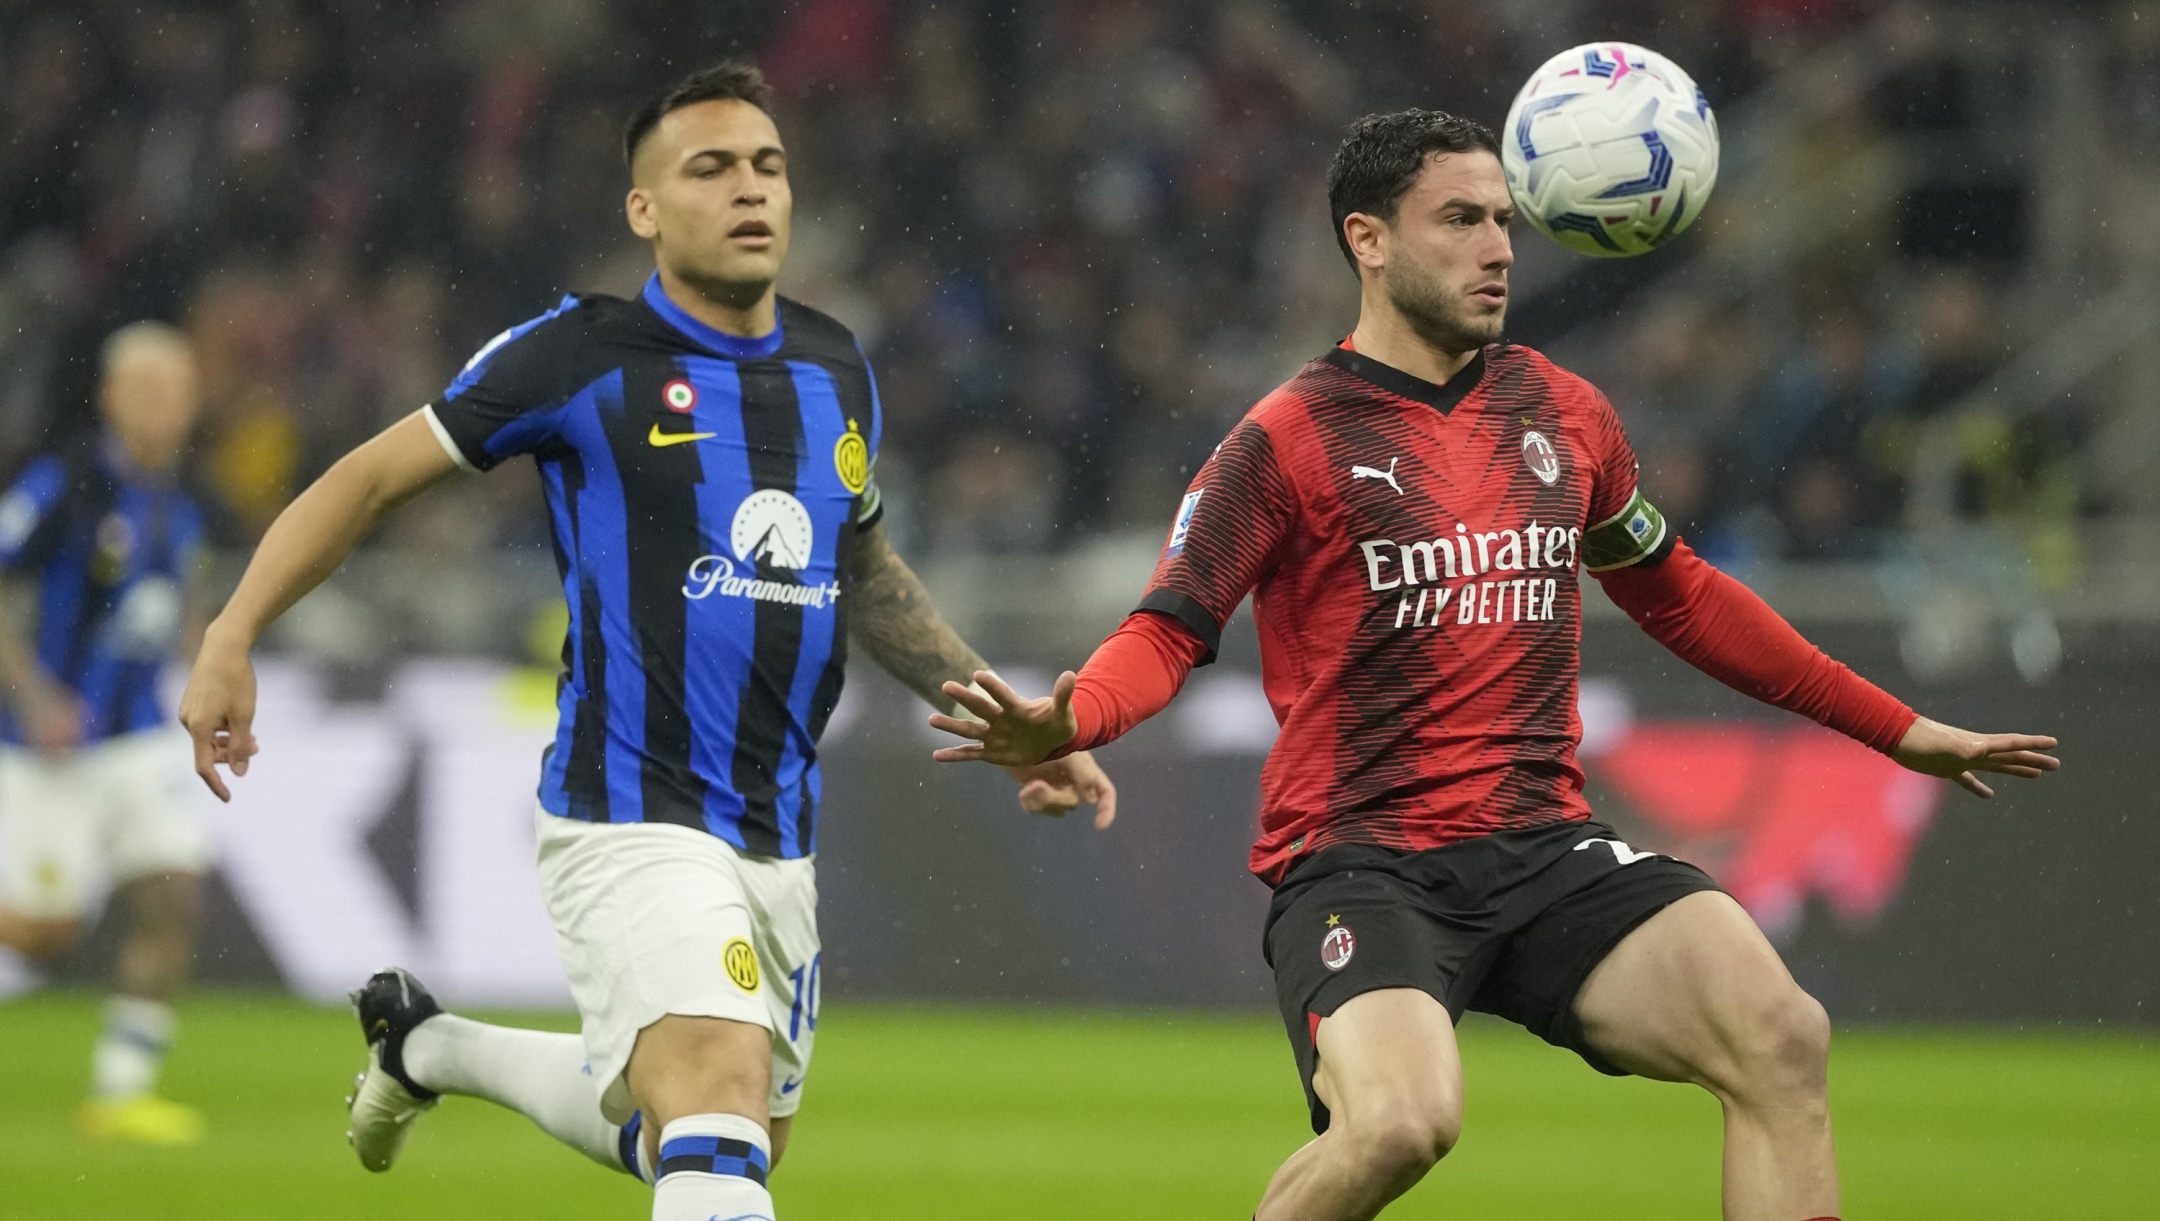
112,551
705,492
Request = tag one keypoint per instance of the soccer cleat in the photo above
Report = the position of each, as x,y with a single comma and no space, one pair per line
146,1118
385,1102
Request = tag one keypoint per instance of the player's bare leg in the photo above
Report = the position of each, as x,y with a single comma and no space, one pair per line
38,940
1697,994
159,950
650,1132
156,955
704,1085
1391,1077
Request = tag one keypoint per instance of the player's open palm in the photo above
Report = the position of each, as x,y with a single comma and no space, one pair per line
1010,731
1936,749
218,710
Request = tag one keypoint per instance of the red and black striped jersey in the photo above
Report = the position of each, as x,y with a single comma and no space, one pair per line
1413,552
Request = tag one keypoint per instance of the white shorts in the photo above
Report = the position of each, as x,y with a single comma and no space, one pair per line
72,824
655,919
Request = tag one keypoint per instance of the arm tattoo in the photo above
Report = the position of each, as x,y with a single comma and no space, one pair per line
894,620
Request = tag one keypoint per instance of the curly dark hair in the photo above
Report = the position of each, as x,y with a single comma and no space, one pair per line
733,79
1380,157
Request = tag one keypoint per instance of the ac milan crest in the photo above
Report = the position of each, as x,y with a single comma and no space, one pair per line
1539,455
1337,947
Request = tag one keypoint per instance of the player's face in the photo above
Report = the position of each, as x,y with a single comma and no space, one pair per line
711,194
1447,253
148,395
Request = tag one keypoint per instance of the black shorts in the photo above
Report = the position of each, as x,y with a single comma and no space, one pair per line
1509,924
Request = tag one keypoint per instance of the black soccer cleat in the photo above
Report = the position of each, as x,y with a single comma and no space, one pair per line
385,1101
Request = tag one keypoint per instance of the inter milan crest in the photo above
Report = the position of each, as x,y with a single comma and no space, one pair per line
680,396
1539,455
740,962
115,543
851,460
1337,947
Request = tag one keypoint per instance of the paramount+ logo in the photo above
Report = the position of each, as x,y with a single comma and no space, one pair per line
1421,570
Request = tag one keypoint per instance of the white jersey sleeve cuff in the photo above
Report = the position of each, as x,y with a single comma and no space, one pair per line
435,425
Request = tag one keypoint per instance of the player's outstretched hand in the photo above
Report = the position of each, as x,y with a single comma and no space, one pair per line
1011,731
218,710
1057,788
1935,749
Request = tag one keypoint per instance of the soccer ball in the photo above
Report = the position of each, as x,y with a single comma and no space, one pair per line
1610,149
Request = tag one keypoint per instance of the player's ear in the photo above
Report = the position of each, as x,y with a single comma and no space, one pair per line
1364,233
638,207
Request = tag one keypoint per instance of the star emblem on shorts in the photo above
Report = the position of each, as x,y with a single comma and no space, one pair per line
1333,920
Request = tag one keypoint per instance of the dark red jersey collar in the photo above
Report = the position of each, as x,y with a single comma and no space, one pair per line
1441,398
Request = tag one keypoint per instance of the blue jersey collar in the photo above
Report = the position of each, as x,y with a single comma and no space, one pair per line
719,341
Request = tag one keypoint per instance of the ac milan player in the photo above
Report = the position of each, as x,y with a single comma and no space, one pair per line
1410,513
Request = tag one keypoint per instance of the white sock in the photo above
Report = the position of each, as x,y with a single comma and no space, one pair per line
128,1054
538,1074
712,1168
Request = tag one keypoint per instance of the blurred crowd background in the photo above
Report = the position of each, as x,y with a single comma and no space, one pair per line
1080,237
1903,378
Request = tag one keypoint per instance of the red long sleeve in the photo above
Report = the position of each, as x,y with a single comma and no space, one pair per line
1132,676
1720,627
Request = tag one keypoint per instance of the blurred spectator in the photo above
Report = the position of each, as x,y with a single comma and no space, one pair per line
1078,237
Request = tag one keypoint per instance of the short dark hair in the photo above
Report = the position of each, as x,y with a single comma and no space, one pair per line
734,79
1381,155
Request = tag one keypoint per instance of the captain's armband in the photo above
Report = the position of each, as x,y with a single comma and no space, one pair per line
1636,533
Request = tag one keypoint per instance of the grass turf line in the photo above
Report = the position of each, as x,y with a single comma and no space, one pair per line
926,1112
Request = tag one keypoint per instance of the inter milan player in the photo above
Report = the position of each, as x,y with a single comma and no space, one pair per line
1410,512
100,551
707,452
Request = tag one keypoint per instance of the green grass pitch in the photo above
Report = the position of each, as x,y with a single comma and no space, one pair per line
954,1113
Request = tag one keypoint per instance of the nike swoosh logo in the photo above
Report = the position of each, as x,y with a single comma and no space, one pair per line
660,440
790,1085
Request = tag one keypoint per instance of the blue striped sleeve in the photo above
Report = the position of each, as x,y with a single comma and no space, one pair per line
26,512
501,403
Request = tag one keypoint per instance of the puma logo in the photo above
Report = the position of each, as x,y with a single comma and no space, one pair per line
1387,476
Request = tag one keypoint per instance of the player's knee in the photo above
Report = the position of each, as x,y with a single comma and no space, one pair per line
719,1074
1407,1136
47,939
167,904
1785,1051
688,1066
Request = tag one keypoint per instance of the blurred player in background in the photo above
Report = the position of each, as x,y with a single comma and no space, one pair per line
1410,512
100,552
707,452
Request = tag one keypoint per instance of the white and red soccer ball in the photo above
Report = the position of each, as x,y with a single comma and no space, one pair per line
1610,149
